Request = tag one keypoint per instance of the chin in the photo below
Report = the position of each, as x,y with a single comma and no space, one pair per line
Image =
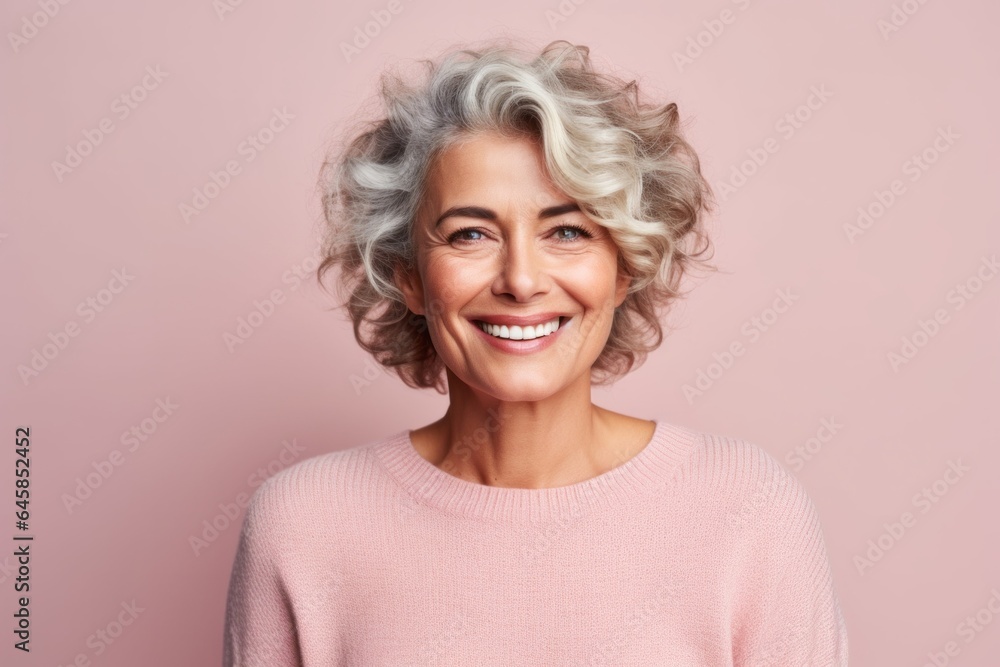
512,388
520,396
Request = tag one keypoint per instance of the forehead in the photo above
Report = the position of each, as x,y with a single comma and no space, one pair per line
491,165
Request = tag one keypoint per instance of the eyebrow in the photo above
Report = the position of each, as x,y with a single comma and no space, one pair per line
481,213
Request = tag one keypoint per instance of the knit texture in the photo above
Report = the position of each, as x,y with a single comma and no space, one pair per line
699,550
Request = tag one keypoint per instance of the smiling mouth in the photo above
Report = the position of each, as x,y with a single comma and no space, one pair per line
521,332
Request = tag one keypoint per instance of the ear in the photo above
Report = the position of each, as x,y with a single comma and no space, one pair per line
622,283
409,283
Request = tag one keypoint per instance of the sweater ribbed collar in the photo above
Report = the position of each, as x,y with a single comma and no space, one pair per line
647,472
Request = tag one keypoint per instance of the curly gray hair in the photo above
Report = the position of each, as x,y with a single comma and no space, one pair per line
624,160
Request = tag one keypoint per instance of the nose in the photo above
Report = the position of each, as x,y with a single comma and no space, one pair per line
522,273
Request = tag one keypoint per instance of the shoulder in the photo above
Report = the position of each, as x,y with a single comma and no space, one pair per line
313,490
749,486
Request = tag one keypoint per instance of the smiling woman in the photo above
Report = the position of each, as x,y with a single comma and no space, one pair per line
619,161
511,234
533,258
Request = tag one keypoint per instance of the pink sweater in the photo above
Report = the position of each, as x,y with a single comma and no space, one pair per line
700,550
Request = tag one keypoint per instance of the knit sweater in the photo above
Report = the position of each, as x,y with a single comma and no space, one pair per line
700,550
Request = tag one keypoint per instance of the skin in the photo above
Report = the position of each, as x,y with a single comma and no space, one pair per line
550,432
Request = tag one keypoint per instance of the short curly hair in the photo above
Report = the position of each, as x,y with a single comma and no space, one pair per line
623,159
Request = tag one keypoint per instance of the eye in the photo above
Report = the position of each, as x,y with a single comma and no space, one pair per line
463,234
473,234
576,233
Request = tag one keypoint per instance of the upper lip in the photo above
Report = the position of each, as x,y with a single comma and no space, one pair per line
518,320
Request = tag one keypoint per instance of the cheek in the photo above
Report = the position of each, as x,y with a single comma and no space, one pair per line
595,274
594,288
449,283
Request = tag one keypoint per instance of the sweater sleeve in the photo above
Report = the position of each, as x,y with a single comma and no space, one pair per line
260,629
788,614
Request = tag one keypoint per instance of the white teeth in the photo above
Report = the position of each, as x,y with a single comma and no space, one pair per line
520,333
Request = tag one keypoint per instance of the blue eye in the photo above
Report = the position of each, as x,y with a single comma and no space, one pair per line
462,235
455,236
580,232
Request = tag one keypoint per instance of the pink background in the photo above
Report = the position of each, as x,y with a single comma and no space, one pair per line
162,335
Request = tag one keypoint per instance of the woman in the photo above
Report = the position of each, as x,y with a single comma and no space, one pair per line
514,225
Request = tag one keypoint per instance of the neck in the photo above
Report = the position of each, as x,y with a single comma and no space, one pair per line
561,440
